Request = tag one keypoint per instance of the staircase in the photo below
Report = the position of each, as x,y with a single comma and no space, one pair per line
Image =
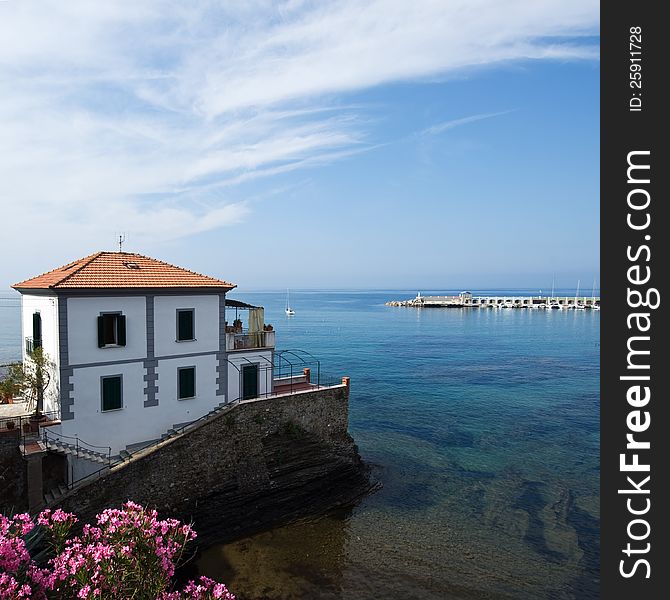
60,447
54,494
56,445
180,428
79,451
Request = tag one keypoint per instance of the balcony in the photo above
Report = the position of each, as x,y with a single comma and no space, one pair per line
250,341
32,345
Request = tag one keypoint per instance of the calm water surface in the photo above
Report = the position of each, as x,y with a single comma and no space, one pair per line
483,426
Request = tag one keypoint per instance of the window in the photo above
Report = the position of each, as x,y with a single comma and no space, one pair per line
185,324
186,382
37,330
111,330
111,391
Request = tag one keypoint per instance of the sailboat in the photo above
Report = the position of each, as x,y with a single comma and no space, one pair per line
289,311
552,302
577,305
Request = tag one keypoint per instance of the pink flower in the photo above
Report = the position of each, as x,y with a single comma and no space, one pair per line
130,548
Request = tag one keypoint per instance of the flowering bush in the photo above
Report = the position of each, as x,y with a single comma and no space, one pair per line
129,553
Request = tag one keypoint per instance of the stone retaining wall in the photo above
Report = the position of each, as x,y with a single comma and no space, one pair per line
12,473
259,463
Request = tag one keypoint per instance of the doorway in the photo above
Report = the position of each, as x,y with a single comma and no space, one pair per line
249,381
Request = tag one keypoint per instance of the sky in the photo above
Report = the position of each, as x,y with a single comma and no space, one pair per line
296,144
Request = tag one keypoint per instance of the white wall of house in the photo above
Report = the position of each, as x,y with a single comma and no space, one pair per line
47,306
82,329
79,467
174,411
135,423
206,321
237,360
116,428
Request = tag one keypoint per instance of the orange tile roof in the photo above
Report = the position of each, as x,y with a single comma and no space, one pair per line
120,270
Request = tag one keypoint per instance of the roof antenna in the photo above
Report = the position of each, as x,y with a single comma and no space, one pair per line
122,238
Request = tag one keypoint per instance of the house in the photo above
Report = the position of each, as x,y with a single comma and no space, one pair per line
140,346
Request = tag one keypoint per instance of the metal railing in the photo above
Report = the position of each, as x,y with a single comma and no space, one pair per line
294,362
289,372
78,446
292,371
288,375
175,431
32,345
27,426
80,449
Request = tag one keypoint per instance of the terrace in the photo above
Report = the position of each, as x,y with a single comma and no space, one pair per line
256,335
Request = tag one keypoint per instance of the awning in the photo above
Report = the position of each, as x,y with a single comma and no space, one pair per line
239,304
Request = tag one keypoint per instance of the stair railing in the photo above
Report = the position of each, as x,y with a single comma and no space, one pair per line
79,445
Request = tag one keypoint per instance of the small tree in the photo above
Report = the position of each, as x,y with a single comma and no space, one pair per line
9,386
32,378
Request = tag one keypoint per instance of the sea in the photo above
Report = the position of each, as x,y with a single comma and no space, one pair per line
482,426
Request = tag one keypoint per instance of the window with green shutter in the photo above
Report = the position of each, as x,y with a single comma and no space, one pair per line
37,330
185,324
112,392
186,382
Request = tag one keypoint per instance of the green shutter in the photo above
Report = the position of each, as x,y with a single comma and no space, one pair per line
185,325
111,393
37,330
121,330
101,332
187,382
249,381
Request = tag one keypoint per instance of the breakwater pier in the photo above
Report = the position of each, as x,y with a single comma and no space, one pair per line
467,300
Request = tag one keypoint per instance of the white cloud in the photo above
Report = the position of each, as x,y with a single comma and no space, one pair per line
446,125
149,113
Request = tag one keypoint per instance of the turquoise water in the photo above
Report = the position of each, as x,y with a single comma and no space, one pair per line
483,426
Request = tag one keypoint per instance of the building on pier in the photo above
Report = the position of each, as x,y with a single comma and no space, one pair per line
467,300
